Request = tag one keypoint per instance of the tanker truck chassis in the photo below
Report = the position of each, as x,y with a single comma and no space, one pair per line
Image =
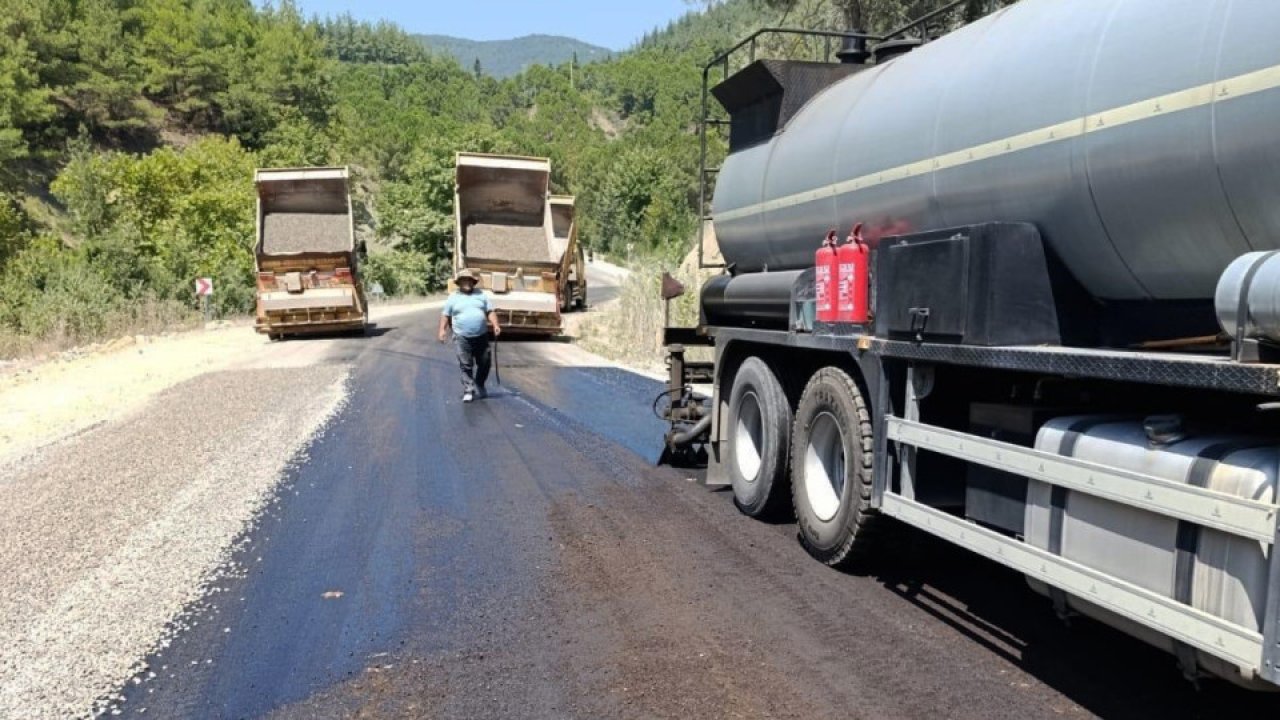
1106,428
891,403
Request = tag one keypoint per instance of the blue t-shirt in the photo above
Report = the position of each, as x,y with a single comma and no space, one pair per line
469,312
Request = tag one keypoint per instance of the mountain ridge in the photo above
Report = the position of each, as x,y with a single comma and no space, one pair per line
504,58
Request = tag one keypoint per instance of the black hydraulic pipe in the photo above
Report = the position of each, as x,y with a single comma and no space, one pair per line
680,439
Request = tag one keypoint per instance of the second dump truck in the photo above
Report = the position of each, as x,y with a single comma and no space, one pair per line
573,266
306,259
518,238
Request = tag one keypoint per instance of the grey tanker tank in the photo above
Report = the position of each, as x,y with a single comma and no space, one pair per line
1142,137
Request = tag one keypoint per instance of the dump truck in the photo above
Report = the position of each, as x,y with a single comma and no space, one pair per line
505,230
573,264
305,255
1016,288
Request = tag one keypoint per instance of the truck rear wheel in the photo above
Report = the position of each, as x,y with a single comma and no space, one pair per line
831,468
759,428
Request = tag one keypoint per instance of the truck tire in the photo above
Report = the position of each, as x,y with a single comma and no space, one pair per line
831,469
759,429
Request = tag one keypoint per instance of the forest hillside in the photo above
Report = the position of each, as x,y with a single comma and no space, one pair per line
129,131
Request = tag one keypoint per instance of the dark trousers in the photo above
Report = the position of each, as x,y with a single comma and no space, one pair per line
474,358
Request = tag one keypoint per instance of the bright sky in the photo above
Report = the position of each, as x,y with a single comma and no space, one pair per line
615,24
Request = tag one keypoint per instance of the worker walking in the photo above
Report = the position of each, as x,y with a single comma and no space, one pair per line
469,313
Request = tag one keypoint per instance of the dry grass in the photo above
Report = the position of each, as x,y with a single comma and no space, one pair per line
629,330
145,317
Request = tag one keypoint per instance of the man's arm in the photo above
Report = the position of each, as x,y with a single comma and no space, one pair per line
445,323
491,315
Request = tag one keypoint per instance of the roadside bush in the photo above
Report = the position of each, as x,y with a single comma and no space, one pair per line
153,223
52,298
402,272
49,294
15,228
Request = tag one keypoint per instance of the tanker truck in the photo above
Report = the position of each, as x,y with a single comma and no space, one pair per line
1018,288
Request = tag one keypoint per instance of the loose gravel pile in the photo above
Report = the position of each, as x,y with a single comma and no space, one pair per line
104,539
515,243
287,233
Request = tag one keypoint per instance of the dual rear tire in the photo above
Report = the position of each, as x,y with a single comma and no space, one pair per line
831,470
827,443
759,429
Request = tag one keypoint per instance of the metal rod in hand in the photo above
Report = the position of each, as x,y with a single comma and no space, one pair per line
497,369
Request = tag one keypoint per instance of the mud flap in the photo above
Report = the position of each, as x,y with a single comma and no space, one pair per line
717,471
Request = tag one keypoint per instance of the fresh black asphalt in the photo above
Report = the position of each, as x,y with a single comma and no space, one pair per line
522,557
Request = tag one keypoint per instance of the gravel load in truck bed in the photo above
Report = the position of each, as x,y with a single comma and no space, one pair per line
288,233
515,243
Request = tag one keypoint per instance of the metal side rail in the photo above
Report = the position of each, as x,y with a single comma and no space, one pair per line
1229,513
1234,643
1242,646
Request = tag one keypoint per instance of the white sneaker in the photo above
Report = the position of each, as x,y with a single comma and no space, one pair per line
467,397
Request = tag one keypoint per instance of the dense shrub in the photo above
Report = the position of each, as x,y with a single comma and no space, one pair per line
153,223
402,272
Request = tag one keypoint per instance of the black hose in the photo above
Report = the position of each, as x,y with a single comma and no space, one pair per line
665,393
692,434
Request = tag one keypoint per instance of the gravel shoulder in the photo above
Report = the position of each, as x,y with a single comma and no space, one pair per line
52,400
127,472
130,523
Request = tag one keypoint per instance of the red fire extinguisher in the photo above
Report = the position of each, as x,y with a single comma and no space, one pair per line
853,279
824,279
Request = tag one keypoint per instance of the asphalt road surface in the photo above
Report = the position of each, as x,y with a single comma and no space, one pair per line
522,557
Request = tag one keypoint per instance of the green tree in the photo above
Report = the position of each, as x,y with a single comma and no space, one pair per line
25,101
15,229
640,203
103,87
152,223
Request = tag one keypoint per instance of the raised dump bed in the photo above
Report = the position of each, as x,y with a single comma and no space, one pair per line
504,231
565,245
306,257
